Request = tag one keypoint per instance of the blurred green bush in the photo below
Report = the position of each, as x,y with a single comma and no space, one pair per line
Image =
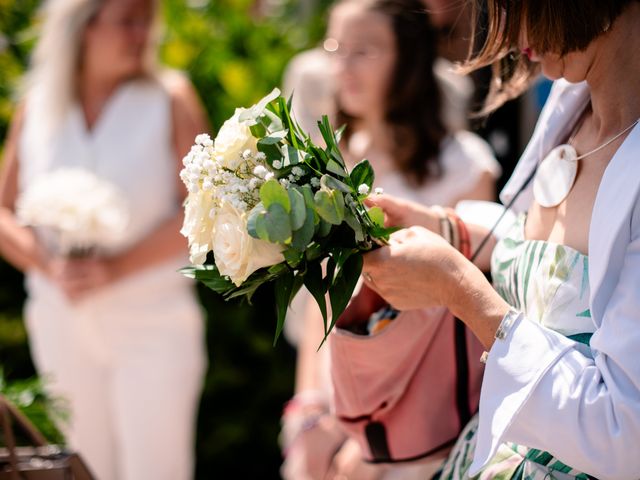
235,52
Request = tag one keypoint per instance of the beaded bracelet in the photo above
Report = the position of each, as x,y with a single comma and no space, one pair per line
446,227
462,237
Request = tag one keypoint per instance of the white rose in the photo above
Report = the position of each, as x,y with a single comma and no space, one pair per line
232,140
198,225
238,254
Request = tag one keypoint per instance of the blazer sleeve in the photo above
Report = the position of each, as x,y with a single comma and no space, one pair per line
539,390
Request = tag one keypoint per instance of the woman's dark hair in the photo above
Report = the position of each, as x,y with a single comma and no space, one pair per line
558,26
413,107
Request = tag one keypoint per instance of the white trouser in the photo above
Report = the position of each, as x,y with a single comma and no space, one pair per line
131,370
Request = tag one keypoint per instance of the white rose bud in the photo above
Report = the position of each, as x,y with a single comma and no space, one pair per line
363,189
233,140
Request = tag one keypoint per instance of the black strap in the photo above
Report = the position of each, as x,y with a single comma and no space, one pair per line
462,373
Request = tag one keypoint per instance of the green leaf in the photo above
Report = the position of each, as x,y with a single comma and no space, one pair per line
339,132
283,292
328,181
342,289
355,224
335,168
210,276
303,236
330,273
376,214
273,138
362,174
258,130
314,251
307,192
293,257
253,222
324,228
298,208
330,206
272,193
276,223
291,156
313,282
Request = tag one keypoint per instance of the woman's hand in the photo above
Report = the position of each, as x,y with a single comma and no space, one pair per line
405,213
419,269
79,277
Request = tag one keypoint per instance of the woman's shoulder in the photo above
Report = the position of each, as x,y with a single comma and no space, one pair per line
466,151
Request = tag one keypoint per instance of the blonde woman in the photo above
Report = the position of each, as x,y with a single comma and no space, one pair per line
119,335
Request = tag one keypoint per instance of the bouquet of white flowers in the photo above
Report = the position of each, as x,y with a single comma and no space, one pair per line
82,211
272,207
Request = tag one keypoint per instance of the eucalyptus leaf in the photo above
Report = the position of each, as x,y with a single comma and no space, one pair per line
277,224
273,138
272,193
323,228
298,208
330,206
303,236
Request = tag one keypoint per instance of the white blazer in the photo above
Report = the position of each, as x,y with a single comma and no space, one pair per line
538,389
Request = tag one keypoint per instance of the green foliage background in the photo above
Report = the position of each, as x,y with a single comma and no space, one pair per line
235,52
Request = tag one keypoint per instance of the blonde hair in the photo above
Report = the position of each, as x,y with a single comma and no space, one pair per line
54,64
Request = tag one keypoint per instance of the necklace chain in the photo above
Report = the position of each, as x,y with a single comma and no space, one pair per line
608,142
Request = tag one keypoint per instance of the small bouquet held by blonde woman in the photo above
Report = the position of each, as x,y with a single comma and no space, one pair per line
273,207
76,211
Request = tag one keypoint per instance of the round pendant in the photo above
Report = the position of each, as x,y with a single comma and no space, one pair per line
555,176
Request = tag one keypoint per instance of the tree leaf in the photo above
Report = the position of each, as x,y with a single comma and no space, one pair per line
362,174
315,285
272,193
210,276
343,286
283,290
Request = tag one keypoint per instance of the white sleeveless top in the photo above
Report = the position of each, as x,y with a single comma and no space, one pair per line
131,147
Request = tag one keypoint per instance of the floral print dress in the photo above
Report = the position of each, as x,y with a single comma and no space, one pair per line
549,282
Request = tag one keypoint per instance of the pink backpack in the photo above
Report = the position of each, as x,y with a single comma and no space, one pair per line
406,392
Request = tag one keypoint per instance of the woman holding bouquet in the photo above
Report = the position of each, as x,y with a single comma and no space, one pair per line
561,322
383,54
119,334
